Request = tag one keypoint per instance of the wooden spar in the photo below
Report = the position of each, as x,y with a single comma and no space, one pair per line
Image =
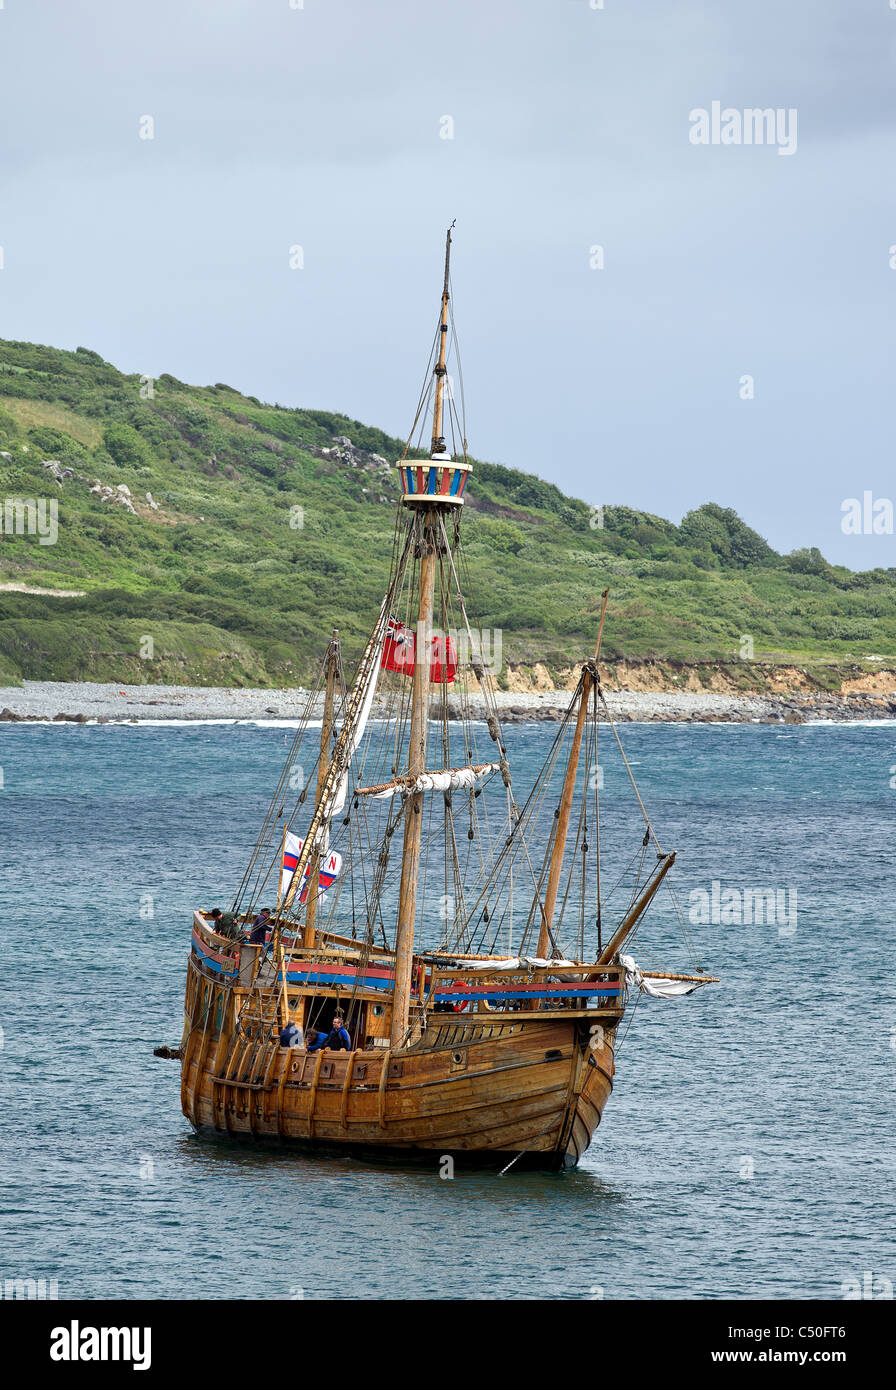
693,979
631,918
438,442
600,633
569,786
323,767
569,783
284,1001
413,811
284,995
600,630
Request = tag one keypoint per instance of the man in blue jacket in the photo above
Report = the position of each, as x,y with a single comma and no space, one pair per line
337,1040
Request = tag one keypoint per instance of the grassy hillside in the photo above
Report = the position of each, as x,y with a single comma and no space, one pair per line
233,593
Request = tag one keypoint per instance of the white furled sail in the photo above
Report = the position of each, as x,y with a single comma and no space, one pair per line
656,987
360,723
452,779
495,964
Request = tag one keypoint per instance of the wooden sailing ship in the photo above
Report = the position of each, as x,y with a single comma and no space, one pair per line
416,896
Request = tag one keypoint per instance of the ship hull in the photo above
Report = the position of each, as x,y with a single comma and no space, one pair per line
476,1093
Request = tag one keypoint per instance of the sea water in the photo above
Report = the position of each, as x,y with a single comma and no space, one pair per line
746,1152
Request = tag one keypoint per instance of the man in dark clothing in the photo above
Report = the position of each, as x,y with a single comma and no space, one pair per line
291,1036
228,926
260,927
337,1040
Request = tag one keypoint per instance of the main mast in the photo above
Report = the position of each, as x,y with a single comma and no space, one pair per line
431,487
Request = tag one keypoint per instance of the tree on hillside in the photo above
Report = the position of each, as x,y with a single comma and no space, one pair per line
721,530
808,560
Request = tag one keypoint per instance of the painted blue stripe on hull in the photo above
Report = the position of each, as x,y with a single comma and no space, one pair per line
459,998
296,976
213,964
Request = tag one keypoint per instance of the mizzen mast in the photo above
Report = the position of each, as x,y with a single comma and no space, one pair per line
589,679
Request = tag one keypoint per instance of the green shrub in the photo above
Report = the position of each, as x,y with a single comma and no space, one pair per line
124,445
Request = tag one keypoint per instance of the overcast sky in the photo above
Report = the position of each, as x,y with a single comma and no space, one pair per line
322,126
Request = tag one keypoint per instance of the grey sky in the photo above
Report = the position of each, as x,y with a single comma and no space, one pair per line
321,127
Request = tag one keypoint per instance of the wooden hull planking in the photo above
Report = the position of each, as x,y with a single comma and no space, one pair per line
479,1089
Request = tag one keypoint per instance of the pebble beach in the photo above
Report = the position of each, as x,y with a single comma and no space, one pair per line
85,702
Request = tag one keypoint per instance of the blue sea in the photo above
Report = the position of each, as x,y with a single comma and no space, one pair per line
747,1151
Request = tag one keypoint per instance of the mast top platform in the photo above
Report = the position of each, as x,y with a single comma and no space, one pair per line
437,481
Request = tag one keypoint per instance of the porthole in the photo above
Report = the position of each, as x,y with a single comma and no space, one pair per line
457,1057
379,1010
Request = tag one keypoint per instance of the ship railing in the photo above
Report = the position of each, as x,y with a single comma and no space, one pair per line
564,988
339,947
575,988
203,925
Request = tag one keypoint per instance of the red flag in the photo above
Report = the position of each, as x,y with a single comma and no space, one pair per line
399,651
443,661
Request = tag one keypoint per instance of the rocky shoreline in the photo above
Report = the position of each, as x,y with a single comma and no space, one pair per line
85,702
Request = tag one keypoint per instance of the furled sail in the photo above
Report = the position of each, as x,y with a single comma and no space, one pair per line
450,780
360,725
656,987
494,964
